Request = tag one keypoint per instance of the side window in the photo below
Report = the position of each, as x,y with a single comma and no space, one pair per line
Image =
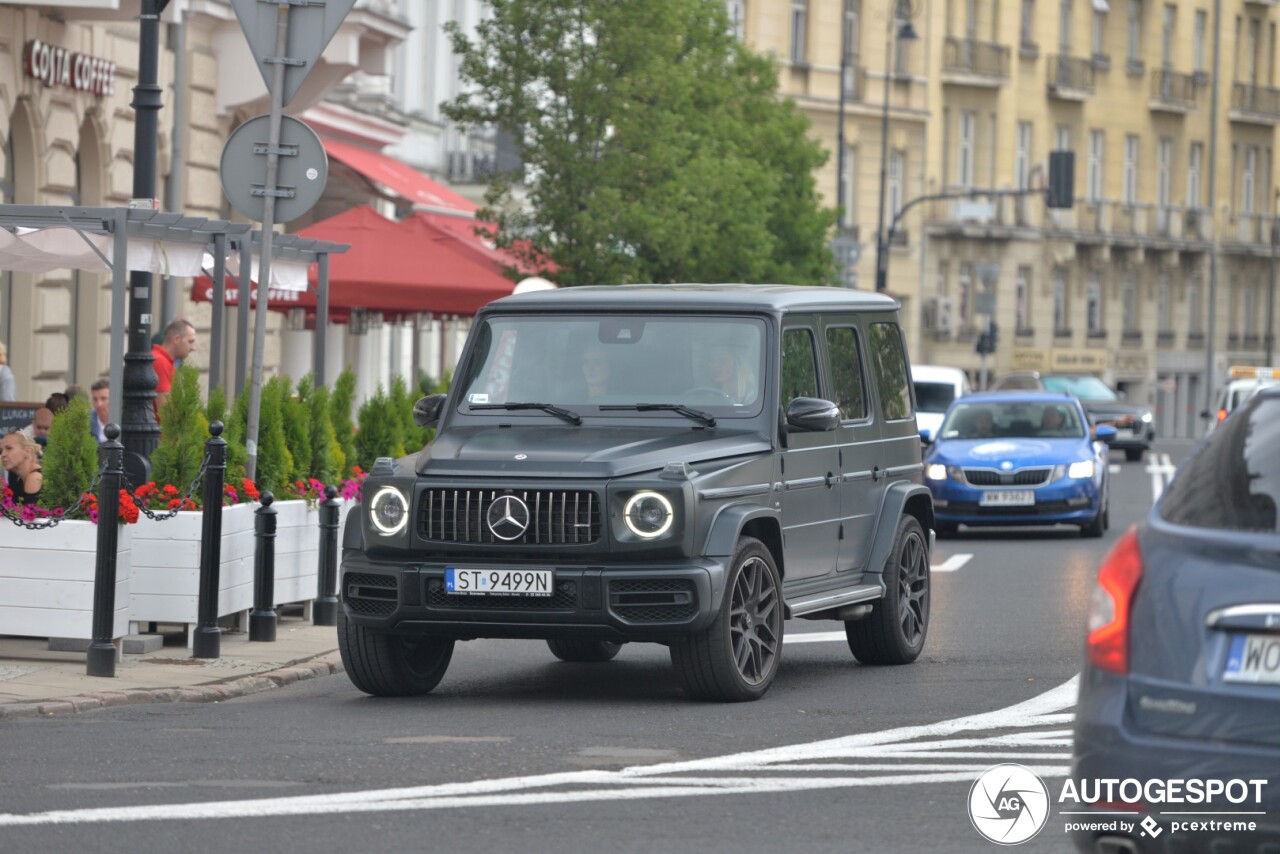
799,365
846,373
889,364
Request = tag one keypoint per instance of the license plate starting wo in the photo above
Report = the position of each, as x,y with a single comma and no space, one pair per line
1254,658
498,582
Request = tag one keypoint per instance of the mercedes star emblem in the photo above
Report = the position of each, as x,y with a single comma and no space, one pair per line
508,517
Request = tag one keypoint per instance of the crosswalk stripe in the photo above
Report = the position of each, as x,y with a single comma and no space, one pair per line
952,563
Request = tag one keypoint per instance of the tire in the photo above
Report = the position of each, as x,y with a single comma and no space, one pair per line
387,665
1134,455
737,657
895,630
583,650
1100,523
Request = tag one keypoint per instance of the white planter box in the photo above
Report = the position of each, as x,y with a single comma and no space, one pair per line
166,567
297,575
47,580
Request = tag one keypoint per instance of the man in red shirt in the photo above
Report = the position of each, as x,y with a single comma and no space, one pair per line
179,342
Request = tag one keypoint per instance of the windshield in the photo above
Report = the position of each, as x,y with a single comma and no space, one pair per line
934,397
1013,420
1084,387
590,364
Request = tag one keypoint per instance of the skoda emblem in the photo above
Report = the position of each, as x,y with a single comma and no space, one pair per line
1006,465
508,517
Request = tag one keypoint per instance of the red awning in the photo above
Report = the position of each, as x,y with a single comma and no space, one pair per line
391,267
401,178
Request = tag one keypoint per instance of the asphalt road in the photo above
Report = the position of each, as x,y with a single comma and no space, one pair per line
517,751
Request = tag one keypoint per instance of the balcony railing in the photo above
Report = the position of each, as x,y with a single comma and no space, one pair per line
1255,102
1107,218
1172,90
1253,228
1070,77
982,59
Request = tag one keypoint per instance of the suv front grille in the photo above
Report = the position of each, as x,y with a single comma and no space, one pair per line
555,516
371,595
653,600
1022,477
565,598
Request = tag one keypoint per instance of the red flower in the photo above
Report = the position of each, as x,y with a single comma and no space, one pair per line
170,490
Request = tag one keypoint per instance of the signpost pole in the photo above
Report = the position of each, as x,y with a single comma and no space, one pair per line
268,226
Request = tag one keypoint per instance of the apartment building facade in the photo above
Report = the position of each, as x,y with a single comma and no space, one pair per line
1170,109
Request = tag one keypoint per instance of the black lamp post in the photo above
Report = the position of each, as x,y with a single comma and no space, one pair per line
904,32
140,431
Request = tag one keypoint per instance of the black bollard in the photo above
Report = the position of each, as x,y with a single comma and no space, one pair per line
101,657
325,612
262,620
207,642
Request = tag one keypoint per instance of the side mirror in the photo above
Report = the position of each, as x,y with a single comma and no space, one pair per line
813,415
1104,432
926,438
426,411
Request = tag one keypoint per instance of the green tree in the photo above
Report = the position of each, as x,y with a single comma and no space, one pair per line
379,434
184,429
412,437
297,434
237,428
341,406
70,459
657,147
275,461
327,459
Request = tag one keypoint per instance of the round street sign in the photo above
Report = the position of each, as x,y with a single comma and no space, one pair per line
301,177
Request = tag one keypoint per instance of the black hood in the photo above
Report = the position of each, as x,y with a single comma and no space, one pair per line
566,451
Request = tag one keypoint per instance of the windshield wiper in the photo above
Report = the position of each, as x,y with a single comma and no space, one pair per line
568,415
696,414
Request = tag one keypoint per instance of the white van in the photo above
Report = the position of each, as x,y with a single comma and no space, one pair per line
1243,382
936,386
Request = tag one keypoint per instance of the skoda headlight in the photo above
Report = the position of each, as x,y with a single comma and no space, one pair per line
648,515
1082,469
936,471
1146,418
389,511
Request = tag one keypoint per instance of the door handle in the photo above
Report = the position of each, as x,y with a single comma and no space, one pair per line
830,479
875,473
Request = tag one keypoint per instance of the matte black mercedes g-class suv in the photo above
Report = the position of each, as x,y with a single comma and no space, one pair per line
684,465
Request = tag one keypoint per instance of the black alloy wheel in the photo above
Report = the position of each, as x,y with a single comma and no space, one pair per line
895,630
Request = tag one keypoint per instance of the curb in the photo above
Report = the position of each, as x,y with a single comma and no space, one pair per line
323,664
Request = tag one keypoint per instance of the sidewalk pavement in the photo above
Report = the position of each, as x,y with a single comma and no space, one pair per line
36,681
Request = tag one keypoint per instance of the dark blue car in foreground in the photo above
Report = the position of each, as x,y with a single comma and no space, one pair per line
1180,691
1018,458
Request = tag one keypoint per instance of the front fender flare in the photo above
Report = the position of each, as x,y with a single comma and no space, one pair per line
722,538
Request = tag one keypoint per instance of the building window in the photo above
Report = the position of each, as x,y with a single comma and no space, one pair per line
1251,51
799,28
1250,324
850,184
968,124
1129,304
1134,46
1164,305
1093,185
852,32
1130,169
737,18
1193,307
1059,300
1022,299
897,168
1093,304
964,296
1064,26
1198,40
941,284
1098,42
1164,153
1166,36
1027,31
1233,308
1022,155
1062,138
1193,174
1247,179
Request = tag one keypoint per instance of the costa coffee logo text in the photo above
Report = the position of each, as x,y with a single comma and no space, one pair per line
57,66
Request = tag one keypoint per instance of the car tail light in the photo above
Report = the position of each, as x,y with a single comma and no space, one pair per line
1118,577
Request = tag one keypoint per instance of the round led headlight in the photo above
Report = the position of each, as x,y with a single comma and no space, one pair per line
648,514
389,511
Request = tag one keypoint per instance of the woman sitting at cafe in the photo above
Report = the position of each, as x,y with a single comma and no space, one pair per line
20,456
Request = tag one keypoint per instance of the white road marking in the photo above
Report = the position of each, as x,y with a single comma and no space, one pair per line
814,637
1035,725
1115,468
952,563
1161,469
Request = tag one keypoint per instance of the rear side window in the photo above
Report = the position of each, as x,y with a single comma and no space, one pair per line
846,373
1233,482
799,365
889,362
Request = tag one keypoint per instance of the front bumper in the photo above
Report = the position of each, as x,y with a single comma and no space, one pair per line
1109,747
643,602
1072,501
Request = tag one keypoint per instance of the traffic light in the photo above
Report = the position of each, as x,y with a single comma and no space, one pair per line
984,344
1062,179
993,332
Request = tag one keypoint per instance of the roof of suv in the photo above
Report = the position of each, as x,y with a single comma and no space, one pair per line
736,297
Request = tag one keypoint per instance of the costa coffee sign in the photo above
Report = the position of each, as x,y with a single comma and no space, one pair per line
57,66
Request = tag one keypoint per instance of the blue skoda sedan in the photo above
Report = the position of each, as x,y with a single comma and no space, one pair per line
1018,458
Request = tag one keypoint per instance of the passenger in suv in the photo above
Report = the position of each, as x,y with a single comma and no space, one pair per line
691,505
